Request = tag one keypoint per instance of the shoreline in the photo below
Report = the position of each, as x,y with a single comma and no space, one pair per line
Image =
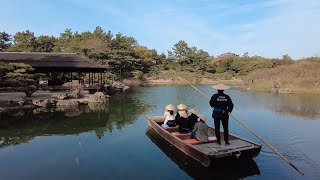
179,81
5,97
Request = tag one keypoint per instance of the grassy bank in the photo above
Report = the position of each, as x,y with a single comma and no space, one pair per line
180,77
300,77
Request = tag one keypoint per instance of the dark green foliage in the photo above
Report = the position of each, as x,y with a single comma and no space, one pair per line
45,44
24,42
19,76
5,41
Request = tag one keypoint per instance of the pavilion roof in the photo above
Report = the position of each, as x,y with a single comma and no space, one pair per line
52,61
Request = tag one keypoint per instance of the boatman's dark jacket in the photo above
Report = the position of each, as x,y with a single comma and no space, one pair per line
221,104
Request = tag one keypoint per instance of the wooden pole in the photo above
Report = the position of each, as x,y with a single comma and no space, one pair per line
256,135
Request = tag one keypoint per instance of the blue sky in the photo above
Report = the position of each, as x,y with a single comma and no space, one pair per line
269,28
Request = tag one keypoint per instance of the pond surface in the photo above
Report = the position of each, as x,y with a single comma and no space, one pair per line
113,141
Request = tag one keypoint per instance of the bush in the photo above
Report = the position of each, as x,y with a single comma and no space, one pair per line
137,74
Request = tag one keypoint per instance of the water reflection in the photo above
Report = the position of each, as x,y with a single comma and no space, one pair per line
220,170
20,126
297,105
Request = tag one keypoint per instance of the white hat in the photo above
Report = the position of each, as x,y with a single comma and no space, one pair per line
170,107
182,106
221,87
193,111
183,114
202,117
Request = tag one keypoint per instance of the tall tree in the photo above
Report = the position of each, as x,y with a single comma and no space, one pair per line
45,43
24,42
62,44
181,51
121,57
5,41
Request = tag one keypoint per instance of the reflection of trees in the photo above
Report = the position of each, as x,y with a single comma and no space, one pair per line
298,105
219,170
118,112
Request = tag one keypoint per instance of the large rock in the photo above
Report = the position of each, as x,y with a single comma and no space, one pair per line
98,97
42,103
62,96
18,101
69,102
75,94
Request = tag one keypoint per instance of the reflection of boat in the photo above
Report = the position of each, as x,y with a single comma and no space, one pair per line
205,153
223,170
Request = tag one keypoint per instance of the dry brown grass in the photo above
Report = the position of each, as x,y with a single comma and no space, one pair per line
302,76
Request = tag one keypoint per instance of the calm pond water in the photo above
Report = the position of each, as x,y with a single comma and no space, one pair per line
113,141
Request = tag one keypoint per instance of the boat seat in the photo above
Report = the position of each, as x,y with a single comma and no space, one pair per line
172,129
181,134
195,141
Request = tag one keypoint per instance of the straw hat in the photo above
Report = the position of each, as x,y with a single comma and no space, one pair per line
221,87
170,107
183,114
182,106
202,117
193,111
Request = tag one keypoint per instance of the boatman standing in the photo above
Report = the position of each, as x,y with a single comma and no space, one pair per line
222,105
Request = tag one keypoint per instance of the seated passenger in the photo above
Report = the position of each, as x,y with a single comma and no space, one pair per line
169,117
193,118
200,130
183,122
181,107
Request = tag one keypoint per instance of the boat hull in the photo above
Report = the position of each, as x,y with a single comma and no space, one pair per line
197,152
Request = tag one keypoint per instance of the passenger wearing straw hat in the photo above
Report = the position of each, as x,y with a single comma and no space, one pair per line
222,105
192,118
200,131
169,117
183,122
181,107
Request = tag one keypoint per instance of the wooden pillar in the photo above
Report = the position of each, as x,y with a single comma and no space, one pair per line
89,78
92,78
101,78
71,76
98,80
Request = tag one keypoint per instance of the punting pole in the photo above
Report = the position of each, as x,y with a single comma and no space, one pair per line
256,135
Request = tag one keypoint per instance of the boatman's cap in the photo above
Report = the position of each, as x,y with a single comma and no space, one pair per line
202,117
183,114
221,87
182,107
193,111
170,107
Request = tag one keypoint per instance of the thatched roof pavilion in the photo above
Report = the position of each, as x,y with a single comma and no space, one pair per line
65,63
52,62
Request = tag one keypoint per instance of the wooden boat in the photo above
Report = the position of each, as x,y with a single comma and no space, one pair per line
205,153
220,170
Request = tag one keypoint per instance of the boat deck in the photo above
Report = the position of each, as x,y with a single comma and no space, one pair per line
211,148
221,150
205,152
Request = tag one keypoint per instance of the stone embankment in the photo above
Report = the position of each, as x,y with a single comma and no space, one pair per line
61,101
